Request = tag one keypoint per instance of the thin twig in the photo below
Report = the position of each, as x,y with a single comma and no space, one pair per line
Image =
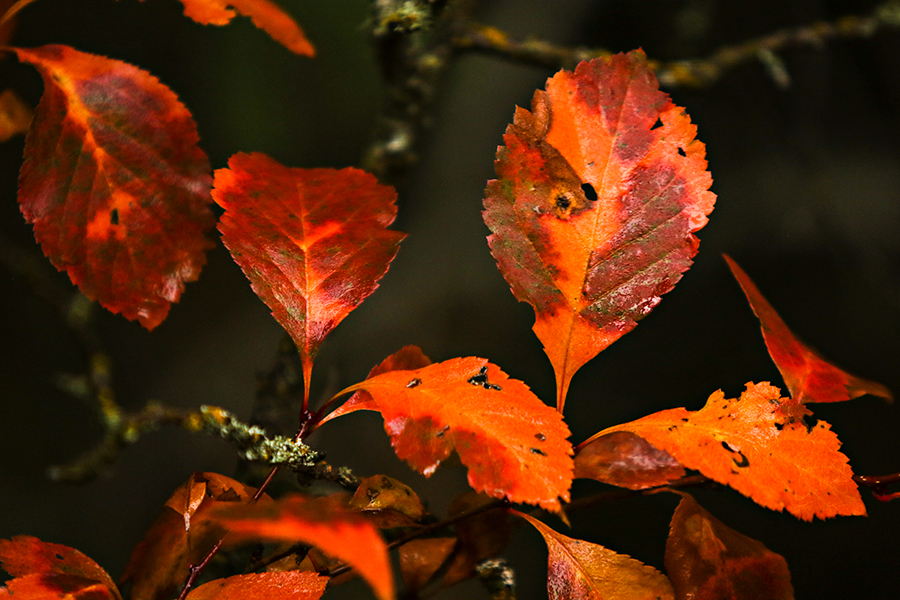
476,37
879,485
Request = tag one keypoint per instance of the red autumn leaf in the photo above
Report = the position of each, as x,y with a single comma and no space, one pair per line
183,534
808,377
626,460
283,585
514,445
707,560
594,208
265,14
114,182
579,569
386,502
313,242
42,571
322,522
760,450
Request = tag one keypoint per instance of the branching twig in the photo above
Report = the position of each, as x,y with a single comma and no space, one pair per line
879,485
693,72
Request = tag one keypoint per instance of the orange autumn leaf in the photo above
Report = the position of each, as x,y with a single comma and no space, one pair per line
707,560
114,182
514,445
421,559
323,522
15,115
313,242
753,445
386,502
265,14
808,377
280,585
42,571
626,460
182,535
595,205
579,569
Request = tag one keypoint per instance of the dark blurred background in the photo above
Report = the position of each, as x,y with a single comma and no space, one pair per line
808,180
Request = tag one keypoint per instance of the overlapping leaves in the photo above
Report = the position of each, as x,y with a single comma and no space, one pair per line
595,205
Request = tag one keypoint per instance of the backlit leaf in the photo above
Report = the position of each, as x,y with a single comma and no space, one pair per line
579,569
707,560
514,445
322,522
765,453
181,535
808,377
626,460
42,570
313,242
114,182
265,14
595,205
283,585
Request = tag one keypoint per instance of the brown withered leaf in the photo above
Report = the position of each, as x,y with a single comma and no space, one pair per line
626,460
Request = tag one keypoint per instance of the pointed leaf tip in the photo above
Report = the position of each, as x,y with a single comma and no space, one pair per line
595,205
114,182
808,376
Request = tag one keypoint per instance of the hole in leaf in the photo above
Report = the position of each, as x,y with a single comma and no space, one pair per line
114,216
682,152
589,192
562,202
60,557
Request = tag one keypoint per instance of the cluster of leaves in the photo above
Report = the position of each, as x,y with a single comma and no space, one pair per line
600,190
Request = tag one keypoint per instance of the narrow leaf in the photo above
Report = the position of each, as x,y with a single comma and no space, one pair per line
808,376
265,14
595,206
313,242
182,535
514,445
114,182
624,459
284,585
759,449
579,569
707,560
42,570
322,522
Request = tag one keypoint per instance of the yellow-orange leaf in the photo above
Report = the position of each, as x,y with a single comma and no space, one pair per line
599,190
514,445
586,571
15,115
387,502
322,522
765,453
265,14
807,376
707,560
283,585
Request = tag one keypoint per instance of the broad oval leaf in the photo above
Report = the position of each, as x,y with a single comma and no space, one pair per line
595,206
265,14
514,445
387,502
626,460
579,569
322,522
313,242
808,377
707,560
114,182
759,449
183,534
420,560
42,570
279,585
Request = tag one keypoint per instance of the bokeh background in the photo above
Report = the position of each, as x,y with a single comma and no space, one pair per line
808,180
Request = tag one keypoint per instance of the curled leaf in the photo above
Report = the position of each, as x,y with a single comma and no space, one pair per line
808,376
707,560
279,585
599,190
759,449
624,459
579,569
114,182
514,445
387,502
